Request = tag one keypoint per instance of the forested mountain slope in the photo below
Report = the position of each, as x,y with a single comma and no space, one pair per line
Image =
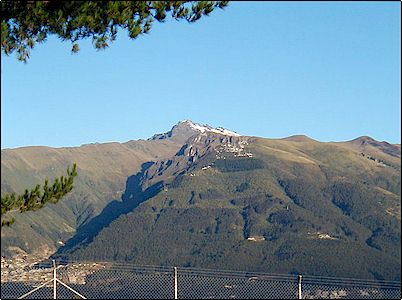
291,205
103,170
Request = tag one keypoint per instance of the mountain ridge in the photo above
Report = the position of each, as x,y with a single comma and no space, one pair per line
216,190
210,200
194,128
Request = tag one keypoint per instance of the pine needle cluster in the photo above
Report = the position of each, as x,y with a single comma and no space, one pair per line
37,197
27,23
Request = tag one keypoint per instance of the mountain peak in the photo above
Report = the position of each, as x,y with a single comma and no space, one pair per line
299,138
364,139
365,142
207,128
187,128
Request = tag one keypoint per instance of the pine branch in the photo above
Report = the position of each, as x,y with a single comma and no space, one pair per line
35,198
24,24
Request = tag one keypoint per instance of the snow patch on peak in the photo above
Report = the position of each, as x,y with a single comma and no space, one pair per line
224,131
207,128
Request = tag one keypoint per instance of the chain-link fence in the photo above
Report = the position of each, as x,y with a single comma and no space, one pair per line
105,280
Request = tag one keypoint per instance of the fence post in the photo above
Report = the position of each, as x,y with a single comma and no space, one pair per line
54,280
175,282
299,294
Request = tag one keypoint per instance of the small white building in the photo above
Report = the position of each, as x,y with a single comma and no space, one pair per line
256,238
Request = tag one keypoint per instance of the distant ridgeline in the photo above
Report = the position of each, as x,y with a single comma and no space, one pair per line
206,197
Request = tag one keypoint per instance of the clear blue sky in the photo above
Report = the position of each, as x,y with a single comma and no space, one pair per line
331,71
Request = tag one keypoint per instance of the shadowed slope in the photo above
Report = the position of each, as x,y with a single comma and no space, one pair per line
263,205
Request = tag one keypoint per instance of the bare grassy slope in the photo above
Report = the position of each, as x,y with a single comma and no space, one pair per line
102,173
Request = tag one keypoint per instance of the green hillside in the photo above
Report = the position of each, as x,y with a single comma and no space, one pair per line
102,174
292,205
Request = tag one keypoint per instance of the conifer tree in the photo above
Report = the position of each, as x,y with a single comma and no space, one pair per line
27,23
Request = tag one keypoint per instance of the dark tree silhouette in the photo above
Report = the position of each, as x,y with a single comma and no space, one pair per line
26,23
35,198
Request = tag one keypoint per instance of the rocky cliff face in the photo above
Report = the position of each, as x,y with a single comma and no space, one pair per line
103,170
198,151
185,129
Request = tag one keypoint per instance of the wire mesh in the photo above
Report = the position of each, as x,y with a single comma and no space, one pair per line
325,289
219,284
106,280
14,290
20,280
114,281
